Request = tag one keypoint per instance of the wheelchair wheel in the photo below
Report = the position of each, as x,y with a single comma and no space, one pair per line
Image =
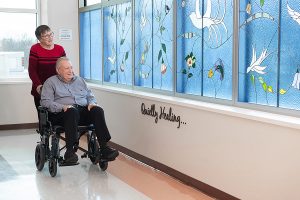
40,156
103,165
92,148
53,167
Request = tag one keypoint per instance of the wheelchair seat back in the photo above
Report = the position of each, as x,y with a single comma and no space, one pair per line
43,118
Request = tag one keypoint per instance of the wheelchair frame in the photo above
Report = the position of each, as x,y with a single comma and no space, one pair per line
49,133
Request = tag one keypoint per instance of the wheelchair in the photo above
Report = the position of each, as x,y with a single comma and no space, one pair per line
47,149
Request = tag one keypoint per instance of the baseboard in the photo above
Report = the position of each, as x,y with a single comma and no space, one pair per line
203,187
18,126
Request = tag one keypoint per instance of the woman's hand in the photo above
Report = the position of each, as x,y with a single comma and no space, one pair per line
39,89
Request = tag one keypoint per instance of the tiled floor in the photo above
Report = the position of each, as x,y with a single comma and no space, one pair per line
125,178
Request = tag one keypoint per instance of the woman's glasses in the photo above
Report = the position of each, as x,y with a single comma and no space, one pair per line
48,35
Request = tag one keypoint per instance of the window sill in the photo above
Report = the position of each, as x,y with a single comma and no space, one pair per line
5,81
259,116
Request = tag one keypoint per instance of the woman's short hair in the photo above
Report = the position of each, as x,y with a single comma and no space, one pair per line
40,30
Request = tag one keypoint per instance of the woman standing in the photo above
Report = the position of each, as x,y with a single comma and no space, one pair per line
42,60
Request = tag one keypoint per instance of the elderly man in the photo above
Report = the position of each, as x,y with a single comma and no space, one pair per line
71,103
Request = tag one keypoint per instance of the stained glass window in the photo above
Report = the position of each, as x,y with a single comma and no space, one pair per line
124,44
153,44
204,48
117,44
267,72
289,82
85,43
258,50
91,45
109,41
268,64
96,45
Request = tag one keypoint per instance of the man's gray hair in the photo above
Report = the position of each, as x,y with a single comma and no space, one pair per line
60,60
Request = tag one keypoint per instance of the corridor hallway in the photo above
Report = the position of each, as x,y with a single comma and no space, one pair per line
125,178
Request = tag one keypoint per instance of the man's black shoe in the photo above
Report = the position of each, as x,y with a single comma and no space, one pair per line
108,153
70,157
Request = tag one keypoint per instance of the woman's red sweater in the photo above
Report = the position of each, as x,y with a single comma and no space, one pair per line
42,64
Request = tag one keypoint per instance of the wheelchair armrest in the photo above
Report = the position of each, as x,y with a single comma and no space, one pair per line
42,109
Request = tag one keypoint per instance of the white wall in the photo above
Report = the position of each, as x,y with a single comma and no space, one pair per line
246,158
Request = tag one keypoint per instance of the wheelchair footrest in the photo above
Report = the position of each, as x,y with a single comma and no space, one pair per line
63,163
105,160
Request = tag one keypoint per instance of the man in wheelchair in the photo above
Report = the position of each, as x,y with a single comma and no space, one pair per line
71,103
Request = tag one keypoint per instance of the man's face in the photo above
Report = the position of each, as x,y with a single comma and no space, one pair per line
65,70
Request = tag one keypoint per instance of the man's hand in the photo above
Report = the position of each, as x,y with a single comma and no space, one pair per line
90,106
66,107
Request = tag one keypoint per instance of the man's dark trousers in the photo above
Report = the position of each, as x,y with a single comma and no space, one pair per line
79,115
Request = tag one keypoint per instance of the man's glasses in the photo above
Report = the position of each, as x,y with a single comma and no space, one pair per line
48,35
